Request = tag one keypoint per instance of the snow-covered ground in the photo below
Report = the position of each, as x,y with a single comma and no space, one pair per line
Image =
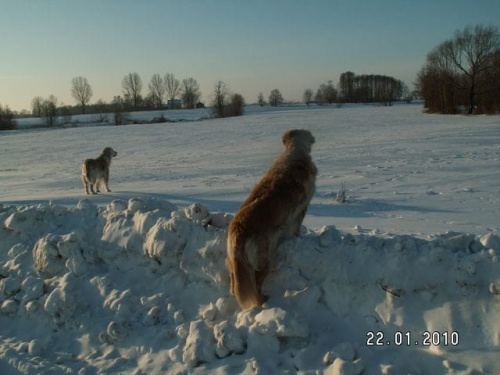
134,281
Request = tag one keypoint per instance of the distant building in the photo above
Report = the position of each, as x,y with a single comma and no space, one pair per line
200,105
174,104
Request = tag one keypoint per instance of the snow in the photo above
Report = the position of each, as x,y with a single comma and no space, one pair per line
135,282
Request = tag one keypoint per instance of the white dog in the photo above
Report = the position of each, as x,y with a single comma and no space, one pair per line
95,171
275,209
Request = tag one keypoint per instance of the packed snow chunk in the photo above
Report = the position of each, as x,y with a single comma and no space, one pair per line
120,231
136,204
116,206
226,306
61,303
343,351
54,254
228,339
261,345
491,241
199,346
144,221
166,240
464,242
32,288
342,367
208,313
220,220
118,331
125,304
35,348
9,307
48,260
305,298
196,212
204,257
277,322
152,317
10,285
200,214
15,222
328,236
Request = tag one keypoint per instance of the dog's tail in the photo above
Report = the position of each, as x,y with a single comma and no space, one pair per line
243,282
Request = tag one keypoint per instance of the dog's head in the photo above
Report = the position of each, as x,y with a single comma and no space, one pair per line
108,151
298,139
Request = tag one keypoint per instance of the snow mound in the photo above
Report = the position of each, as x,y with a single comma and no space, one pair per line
140,286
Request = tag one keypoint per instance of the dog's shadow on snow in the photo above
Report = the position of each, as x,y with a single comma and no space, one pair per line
363,208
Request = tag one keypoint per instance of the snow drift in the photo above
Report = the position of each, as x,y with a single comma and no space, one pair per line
141,287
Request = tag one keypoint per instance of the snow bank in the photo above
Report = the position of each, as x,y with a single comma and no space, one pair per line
141,287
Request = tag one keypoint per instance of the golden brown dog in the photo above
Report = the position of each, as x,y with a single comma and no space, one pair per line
95,171
275,209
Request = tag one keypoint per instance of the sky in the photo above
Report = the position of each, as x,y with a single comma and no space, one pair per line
253,46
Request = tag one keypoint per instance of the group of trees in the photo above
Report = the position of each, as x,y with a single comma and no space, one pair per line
326,94
46,108
6,119
226,104
463,72
161,88
354,88
371,88
460,73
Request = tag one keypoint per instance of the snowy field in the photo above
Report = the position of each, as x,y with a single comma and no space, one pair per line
402,279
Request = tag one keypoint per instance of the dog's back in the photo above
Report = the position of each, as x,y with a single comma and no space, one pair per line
274,209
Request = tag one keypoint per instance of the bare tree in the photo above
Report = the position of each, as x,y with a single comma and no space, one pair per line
172,86
346,87
157,90
119,114
470,51
36,106
190,93
326,94
220,99
260,100
307,96
49,110
81,91
101,108
460,72
132,87
275,98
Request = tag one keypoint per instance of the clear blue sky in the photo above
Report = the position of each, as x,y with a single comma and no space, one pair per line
254,46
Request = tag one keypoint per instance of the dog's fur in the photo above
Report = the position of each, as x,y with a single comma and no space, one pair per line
274,210
95,171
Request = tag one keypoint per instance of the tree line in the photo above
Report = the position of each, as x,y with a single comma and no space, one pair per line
364,88
463,73
168,92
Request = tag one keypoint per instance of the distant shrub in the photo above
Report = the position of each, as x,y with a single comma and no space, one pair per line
236,106
119,114
225,104
159,119
342,196
6,119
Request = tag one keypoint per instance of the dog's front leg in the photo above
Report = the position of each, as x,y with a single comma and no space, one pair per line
106,183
